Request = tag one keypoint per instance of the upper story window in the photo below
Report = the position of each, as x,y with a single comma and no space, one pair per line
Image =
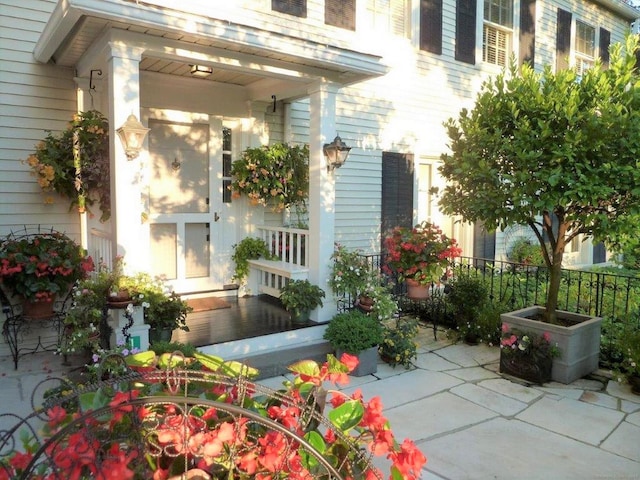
389,16
297,8
497,31
340,13
585,46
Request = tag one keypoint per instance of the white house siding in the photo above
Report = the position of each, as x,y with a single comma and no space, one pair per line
33,98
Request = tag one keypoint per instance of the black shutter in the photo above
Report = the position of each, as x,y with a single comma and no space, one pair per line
431,26
527,32
605,41
340,13
484,243
397,191
292,7
563,40
466,31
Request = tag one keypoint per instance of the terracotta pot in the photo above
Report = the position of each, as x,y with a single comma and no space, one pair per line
37,310
365,303
415,291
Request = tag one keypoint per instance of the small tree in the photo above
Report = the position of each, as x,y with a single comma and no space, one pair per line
554,151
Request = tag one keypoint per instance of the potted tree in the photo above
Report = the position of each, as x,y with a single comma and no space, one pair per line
299,297
556,152
359,334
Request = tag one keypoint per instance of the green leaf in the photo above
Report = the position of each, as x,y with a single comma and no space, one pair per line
306,367
347,415
316,440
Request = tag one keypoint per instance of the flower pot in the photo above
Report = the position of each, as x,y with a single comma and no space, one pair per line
300,317
634,381
531,368
37,310
368,362
415,291
579,343
160,335
365,303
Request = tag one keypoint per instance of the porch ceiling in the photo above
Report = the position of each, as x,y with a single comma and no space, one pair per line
242,55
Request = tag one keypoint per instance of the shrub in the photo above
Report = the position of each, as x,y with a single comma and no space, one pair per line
353,332
399,346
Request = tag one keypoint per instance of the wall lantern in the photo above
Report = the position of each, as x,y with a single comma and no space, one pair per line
132,134
201,71
336,153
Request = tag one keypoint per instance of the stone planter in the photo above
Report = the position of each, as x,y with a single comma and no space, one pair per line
579,343
526,367
368,362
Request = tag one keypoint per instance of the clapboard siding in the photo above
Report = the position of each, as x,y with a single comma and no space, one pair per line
34,98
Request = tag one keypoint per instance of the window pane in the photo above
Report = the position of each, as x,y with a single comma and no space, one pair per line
585,39
499,11
495,46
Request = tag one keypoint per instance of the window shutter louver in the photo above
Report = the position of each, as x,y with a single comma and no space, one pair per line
563,40
527,32
291,7
431,26
605,41
466,31
340,13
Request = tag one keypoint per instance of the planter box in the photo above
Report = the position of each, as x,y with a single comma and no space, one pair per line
368,362
579,343
526,367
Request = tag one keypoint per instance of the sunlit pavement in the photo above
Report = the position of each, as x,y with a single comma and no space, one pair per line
468,420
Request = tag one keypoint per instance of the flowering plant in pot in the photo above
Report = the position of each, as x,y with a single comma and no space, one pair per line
204,419
421,253
299,297
350,272
82,174
42,266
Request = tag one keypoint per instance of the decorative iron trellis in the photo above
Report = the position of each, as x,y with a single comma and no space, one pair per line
138,424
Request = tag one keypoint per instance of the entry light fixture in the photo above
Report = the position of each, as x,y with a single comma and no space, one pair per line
201,71
132,134
336,153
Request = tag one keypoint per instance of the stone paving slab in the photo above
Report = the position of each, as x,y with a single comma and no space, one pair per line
428,417
469,356
473,374
624,441
405,388
575,419
433,361
511,389
502,449
489,399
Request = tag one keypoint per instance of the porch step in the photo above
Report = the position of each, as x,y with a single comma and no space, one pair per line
272,354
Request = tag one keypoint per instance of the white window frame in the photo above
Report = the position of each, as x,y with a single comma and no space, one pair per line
501,49
583,60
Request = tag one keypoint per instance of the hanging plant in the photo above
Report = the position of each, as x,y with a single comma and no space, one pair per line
75,163
276,176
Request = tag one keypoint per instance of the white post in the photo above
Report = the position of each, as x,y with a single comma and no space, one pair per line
321,193
126,207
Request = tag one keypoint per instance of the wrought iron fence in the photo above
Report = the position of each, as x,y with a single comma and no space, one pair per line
519,285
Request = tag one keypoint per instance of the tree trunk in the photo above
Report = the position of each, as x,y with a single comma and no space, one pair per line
555,275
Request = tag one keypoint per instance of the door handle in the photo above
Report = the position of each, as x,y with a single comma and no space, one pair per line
216,217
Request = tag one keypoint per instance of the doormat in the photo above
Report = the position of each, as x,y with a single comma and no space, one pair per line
207,303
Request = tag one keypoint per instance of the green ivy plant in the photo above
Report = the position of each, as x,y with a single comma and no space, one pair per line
247,249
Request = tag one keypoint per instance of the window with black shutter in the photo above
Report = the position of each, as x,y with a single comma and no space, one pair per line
292,7
527,32
605,41
563,39
397,191
340,13
431,26
466,31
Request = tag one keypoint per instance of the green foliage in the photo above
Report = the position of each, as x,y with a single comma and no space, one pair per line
299,296
526,252
350,272
276,175
467,295
166,311
249,248
399,346
354,332
543,144
169,347
384,304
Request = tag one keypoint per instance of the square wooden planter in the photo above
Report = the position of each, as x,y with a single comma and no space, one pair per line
579,342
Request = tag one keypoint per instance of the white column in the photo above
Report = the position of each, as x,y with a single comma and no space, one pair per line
126,209
321,192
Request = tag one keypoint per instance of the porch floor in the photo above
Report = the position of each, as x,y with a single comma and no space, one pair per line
248,317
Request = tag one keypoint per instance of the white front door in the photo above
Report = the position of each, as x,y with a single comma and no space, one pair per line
188,207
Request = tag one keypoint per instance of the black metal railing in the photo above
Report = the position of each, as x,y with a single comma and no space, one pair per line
519,285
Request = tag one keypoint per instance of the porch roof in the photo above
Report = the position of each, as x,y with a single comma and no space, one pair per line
241,48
